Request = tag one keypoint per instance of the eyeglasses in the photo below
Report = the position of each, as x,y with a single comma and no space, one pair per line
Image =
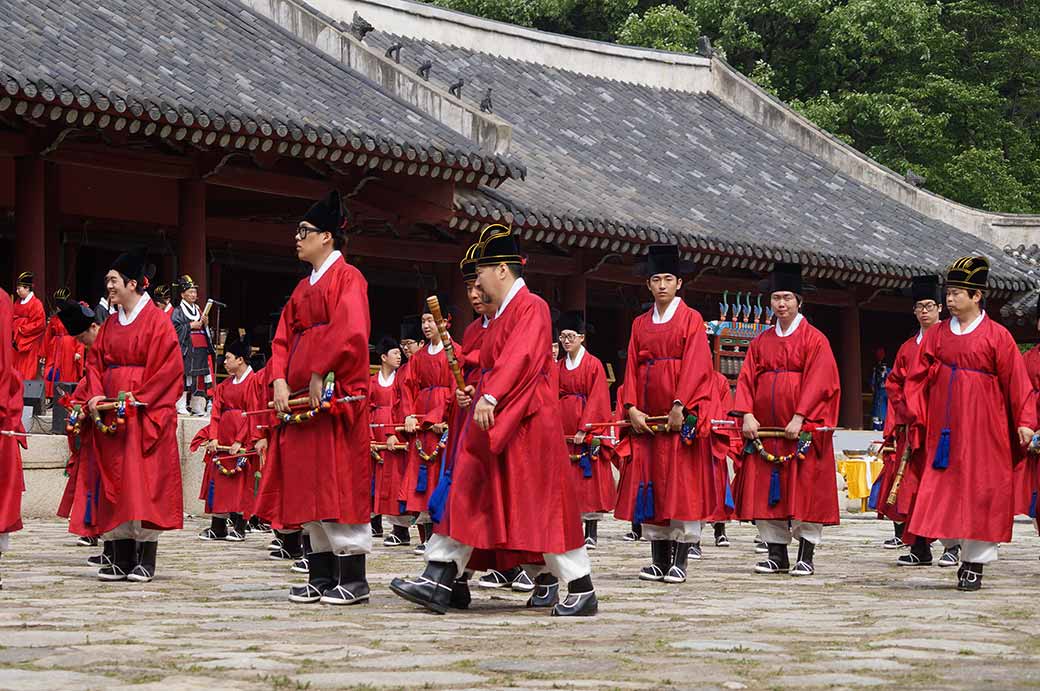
926,307
302,231
568,337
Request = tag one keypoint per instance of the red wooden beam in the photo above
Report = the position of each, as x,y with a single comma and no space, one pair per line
269,182
123,160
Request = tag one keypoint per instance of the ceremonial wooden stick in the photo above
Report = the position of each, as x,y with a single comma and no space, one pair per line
9,433
236,455
297,403
623,423
601,437
376,446
903,460
449,350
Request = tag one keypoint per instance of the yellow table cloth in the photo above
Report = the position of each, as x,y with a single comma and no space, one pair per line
859,474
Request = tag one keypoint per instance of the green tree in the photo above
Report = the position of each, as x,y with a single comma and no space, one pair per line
664,27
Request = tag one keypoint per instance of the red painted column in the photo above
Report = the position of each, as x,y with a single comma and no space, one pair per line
191,236
575,293
850,368
29,222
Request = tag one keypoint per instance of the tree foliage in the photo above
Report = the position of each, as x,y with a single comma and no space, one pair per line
947,88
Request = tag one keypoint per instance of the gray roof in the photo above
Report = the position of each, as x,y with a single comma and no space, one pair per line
635,164
213,65
1024,307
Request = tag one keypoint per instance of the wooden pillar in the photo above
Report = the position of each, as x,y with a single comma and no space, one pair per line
461,301
575,293
30,249
191,235
850,368
53,264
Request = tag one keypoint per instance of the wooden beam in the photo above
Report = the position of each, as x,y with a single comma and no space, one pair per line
15,144
123,160
269,182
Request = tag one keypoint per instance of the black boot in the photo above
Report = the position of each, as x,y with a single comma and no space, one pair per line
399,537
425,531
661,554
123,556
319,578
292,546
144,571
377,525
432,589
546,591
804,567
590,534
217,529
460,595
635,534
105,557
677,571
777,562
897,541
87,541
237,531
920,554
301,565
970,578
720,535
351,585
580,601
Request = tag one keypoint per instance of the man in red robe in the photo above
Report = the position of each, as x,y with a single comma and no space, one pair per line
789,383
30,323
384,397
427,397
585,398
317,473
228,483
1032,471
668,376
508,488
971,402
64,354
135,356
12,483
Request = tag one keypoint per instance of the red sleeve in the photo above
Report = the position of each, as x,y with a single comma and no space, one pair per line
597,404
820,394
10,380
32,327
898,412
920,374
407,388
696,385
744,400
628,396
164,379
217,411
348,331
1015,383
279,360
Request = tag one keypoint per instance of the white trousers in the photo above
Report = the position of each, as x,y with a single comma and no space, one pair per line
406,520
593,516
778,533
342,539
132,530
5,541
567,567
680,531
975,551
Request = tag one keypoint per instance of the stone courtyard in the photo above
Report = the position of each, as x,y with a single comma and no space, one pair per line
217,617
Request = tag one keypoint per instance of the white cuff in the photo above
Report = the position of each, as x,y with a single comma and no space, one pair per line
490,399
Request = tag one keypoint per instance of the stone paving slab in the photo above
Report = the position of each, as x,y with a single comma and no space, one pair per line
217,617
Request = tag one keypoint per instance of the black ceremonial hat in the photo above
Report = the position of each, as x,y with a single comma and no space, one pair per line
26,279
785,277
327,214
239,348
76,318
496,246
925,288
131,264
468,265
386,344
572,320
411,328
970,273
664,259
162,291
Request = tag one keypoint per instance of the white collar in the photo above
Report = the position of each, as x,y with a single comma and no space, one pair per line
434,349
517,285
485,320
386,382
105,306
794,326
955,325
28,297
329,261
190,310
128,320
241,378
920,335
669,311
576,362
166,310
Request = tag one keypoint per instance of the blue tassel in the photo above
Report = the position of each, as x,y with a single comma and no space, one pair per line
639,514
875,493
774,487
942,452
1032,506
402,507
372,493
585,462
649,506
439,498
730,504
420,484
88,515
209,496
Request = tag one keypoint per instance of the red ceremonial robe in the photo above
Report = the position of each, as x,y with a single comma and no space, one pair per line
12,483
319,469
896,421
975,386
139,465
584,398
83,486
232,491
428,392
671,362
782,376
1029,476
509,484
62,365
390,466
728,443
30,322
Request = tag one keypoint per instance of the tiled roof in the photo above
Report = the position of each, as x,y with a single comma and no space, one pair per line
1024,307
617,166
215,73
